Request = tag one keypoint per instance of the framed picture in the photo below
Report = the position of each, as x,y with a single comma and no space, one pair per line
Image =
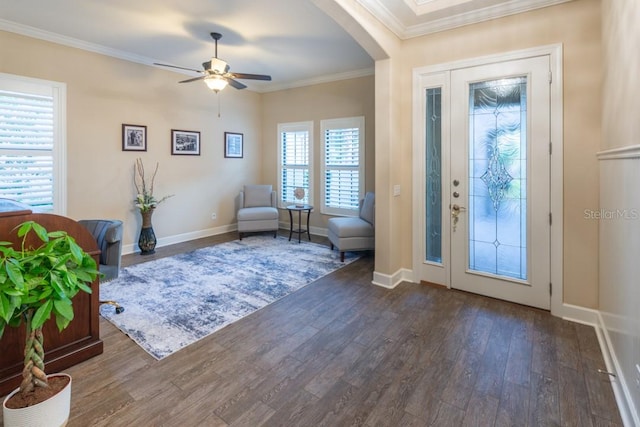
185,142
134,138
233,144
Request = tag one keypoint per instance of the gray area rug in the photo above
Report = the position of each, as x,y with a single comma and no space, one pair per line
173,302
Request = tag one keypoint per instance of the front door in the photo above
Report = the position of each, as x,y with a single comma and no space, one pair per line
500,231
494,186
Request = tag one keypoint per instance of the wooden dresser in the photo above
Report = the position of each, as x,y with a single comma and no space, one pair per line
81,340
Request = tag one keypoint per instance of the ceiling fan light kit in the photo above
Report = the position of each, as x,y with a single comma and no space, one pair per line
215,82
216,73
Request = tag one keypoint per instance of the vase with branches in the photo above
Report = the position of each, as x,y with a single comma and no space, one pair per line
146,202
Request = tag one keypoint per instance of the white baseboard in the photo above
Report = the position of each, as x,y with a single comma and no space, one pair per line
185,237
393,280
316,231
575,313
628,411
319,231
591,317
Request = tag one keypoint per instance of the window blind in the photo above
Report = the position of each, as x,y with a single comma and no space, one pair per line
295,151
342,166
26,149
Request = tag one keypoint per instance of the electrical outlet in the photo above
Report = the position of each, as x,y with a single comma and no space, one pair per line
214,216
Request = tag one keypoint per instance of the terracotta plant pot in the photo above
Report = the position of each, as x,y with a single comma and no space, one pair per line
52,412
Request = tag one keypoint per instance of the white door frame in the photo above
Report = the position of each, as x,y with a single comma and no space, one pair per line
556,162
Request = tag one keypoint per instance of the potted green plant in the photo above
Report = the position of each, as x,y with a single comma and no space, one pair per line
36,283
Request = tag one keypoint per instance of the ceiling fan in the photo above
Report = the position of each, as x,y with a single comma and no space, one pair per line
216,72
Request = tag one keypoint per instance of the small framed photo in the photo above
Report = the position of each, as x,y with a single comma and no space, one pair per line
134,138
233,145
185,142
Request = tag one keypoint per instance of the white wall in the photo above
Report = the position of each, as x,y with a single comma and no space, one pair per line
619,213
619,218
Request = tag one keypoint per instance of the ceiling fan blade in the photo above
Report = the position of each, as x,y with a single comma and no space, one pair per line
235,83
179,68
251,76
192,80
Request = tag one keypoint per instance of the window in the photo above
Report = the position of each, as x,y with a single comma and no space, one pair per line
342,165
295,160
32,142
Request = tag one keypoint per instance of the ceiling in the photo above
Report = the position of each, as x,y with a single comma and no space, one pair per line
292,40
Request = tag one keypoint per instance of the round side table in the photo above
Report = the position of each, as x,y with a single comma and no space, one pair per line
300,231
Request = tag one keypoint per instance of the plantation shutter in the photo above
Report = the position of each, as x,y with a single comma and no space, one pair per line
343,177
26,149
295,152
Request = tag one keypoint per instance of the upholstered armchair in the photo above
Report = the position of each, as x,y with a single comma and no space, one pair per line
257,210
108,234
354,233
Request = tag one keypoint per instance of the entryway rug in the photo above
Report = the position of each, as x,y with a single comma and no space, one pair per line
173,302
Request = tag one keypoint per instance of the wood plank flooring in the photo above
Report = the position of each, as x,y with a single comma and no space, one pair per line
344,352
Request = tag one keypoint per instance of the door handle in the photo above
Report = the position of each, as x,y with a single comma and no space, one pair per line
455,212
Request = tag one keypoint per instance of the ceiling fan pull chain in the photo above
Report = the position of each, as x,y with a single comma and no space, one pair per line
218,96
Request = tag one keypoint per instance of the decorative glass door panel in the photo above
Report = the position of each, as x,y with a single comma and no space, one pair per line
431,241
497,196
433,184
499,185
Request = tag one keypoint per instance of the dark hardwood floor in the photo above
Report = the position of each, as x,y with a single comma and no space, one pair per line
342,351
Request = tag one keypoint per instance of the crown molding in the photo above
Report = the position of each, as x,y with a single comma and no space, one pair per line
422,7
319,80
37,33
388,19
510,7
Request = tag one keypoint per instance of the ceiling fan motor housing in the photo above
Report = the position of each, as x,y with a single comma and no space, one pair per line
218,66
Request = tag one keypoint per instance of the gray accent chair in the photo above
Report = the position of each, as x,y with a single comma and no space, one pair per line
257,210
108,234
354,233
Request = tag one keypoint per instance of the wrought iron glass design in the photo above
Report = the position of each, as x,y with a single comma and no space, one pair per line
498,177
433,199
